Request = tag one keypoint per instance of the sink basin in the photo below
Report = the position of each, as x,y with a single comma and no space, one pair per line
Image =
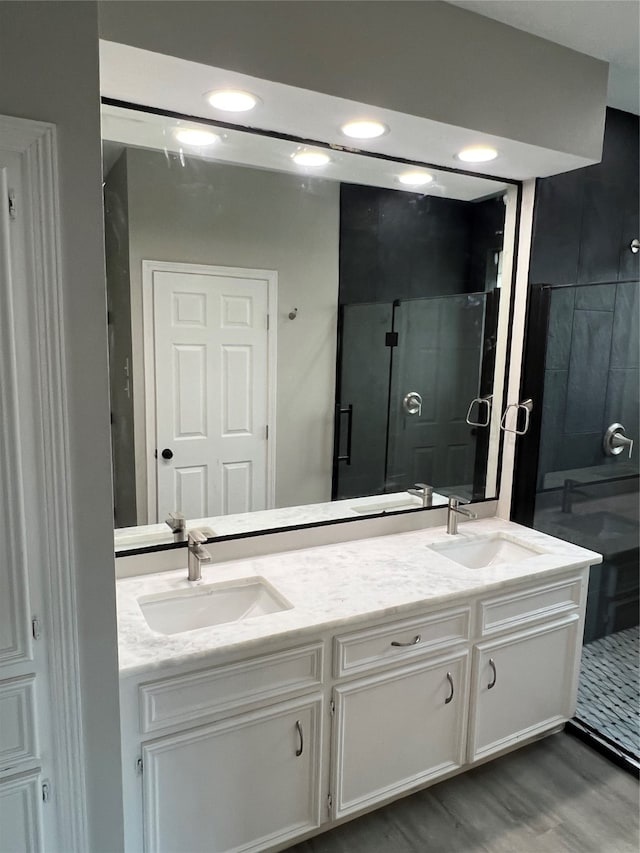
212,604
486,551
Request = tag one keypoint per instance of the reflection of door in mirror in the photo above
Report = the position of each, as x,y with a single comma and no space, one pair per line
211,213
207,388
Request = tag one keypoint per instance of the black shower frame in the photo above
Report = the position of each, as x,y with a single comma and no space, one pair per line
526,470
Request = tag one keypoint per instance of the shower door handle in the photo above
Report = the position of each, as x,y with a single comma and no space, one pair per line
412,403
348,411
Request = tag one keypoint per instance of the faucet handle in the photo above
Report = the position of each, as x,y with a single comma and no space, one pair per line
196,536
454,500
176,521
423,487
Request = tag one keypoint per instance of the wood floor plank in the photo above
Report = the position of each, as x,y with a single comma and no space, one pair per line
554,796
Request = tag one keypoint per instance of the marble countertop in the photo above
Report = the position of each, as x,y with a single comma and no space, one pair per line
330,587
127,538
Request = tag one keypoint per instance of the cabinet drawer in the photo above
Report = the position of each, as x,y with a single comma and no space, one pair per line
509,611
360,651
185,698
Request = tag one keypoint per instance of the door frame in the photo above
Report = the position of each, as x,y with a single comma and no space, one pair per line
149,369
49,544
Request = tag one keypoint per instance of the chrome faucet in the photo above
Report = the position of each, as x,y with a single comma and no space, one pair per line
197,555
454,510
423,491
177,523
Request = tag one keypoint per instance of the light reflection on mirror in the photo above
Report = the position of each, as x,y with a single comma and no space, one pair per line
291,343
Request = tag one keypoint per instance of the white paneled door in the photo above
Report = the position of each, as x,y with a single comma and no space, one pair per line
213,385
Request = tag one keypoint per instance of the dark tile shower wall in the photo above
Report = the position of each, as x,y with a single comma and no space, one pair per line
401,245
591,374
584,223
585,220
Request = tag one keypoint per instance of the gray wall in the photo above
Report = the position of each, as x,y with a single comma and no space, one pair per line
116,239
426,59
209,213
49,72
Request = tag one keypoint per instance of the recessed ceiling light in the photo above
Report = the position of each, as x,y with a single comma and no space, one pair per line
232,100
364,129
197,138
311,158
415,178
477,154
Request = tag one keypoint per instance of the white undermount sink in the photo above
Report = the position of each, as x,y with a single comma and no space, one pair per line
210,604
486,551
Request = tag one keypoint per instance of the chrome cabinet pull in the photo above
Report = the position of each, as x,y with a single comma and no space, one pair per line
492,664
301,736
413,642
450,696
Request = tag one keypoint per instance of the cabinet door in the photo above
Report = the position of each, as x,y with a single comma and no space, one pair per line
20,814
397,730
523,684
242,784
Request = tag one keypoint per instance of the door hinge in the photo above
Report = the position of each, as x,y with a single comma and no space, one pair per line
332,707
12,205
329,803
36,628
139,765
46,791
391,339
268,322
266,432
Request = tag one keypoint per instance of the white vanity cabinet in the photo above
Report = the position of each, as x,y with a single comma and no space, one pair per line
229,757
525,681
241,784
397,729
255,753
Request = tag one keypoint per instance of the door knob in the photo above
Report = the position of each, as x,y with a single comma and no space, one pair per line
167,453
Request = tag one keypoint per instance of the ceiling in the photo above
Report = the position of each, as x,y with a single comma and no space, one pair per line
605,29
128,128
169,83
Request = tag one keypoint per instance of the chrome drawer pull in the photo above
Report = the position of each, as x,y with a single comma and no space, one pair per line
495,674
413,642
450,696
300,735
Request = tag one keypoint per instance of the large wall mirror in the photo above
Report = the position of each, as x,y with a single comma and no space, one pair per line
298,333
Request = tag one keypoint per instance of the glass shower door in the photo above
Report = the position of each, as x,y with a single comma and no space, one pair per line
587,486
441,356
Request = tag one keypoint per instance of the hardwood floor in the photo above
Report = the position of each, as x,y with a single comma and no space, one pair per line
554,796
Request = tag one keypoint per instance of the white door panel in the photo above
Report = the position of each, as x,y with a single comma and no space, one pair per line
212,377
26,738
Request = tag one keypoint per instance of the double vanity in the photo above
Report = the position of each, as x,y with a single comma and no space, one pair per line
285,693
